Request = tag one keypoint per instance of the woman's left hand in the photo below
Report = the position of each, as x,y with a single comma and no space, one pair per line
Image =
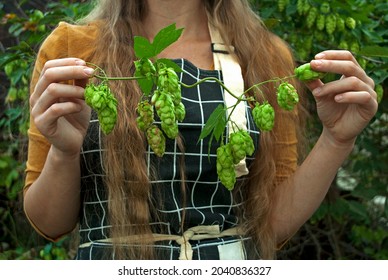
344,106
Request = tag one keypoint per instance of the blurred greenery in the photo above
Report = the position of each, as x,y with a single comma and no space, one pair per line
352,222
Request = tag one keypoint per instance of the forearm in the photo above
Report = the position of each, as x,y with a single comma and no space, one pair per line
52,202
300,195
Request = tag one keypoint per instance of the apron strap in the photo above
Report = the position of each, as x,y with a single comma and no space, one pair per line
233,80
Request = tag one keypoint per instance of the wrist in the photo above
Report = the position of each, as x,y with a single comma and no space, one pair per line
60,156
337,144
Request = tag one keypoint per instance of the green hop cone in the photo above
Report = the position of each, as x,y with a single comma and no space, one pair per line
380,92
325,8
171,130
264,116
90,89
145,67
241,145
156,140
321,19
311,17
306,7
108,115
302,7
225,166
145,115
354,47
350,23
180,112
299,6
362,61
304,73
165,109
249,146
101,99
282,4
168,81
287,96
237,143
343,45
331,24
340,23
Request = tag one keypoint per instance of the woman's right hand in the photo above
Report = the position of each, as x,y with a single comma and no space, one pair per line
59,110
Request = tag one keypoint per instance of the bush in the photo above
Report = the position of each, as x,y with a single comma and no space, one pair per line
23,27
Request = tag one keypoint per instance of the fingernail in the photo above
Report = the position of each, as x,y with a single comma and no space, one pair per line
80,62
317,91
338,97
319,56
88,71
317,63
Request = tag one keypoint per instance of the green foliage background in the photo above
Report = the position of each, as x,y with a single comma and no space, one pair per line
352,223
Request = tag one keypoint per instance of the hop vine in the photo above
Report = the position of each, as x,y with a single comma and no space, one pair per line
159,82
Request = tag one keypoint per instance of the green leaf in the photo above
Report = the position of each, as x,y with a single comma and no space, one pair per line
215,124
374,51
170,64
165,38
143,48
358,209
146,85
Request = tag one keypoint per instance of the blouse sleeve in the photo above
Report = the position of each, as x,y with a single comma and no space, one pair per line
65,40
54,46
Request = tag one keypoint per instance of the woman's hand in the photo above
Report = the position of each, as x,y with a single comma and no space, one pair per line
344,106
58,109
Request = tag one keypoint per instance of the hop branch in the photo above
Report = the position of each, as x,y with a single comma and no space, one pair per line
159,82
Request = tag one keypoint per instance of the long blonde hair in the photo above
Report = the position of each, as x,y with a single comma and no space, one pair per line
261,56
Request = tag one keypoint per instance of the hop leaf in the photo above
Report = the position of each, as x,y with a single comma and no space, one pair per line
287,96
264,116
304,73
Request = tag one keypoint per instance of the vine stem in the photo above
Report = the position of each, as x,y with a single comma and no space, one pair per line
105,78
239,99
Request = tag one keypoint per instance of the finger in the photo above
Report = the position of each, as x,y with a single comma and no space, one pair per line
368,104
55,93
62,62
340,62
356,97
47,122
343,85
312,85
61,73
336,55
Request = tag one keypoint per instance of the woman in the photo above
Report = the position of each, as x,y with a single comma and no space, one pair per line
128,203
